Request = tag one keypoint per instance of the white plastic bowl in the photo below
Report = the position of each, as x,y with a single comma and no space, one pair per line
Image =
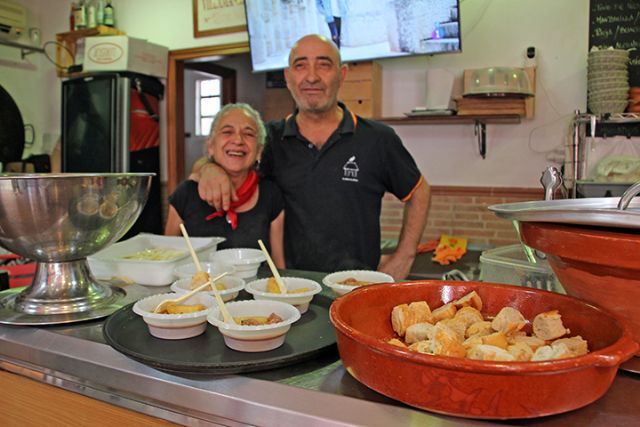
214,268
233,284
331,280
255,338
110,261
301,300
174,326
246,261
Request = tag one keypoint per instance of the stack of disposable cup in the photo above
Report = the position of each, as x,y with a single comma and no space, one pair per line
608,81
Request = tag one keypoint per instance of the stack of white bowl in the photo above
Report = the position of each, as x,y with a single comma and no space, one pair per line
608,81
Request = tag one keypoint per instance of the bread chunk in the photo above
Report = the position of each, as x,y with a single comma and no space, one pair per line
397,343
445,342
548,326
447,311
490,352
520,351
400,317
533,342
421,312
405,315
469,315
421,347
479,328
472,341
457,325
472,299
508,320
497,339
547,352
418,332
576,345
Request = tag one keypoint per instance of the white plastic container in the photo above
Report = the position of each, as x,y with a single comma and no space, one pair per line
508,264
110,262
246,261
332,280
300,300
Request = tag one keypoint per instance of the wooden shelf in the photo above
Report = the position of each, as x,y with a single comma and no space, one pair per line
505,119
68,41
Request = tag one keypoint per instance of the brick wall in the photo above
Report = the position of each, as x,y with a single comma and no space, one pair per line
461,211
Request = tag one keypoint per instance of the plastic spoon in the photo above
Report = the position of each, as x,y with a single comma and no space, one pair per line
163,305
274,270
223,308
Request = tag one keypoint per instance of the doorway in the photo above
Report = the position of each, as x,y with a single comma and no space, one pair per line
179,60
207,87
273,103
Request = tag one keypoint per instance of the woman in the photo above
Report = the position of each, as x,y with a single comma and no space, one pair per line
237,136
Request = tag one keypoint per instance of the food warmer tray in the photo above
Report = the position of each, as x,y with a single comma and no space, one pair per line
309,337
597,211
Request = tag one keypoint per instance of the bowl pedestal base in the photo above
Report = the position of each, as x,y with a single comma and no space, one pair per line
61,292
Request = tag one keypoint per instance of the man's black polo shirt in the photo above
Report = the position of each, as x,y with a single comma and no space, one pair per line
333,195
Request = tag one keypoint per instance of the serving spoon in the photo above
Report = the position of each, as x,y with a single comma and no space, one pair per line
163,305
223,308
274,270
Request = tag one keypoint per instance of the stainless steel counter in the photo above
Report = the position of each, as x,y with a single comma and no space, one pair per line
319,392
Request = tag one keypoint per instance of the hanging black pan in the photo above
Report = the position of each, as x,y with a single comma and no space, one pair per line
11,129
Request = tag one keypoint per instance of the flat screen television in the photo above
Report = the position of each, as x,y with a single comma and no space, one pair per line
363,29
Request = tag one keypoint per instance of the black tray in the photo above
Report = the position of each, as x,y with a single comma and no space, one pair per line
310,336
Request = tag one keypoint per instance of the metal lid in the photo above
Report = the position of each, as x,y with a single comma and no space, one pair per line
601,211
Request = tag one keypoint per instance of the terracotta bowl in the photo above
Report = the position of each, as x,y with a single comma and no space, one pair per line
471,388
596,265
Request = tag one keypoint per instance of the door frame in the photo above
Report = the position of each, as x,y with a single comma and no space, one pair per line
175,102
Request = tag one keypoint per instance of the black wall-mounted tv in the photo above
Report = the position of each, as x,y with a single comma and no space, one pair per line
363,29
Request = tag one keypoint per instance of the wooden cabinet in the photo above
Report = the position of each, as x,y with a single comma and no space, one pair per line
362,89
26,402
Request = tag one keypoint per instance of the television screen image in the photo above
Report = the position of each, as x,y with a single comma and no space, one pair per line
362,29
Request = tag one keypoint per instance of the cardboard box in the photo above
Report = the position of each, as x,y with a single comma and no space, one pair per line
123,53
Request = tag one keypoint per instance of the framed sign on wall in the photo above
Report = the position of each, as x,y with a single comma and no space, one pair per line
212,17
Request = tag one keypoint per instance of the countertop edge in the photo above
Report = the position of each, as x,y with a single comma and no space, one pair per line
123,382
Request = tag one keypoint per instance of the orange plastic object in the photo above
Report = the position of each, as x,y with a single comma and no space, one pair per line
472,388
450,249
428,246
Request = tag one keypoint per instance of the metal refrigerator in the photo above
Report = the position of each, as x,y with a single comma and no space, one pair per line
110,123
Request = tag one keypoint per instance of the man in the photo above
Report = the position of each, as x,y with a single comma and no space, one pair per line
333,168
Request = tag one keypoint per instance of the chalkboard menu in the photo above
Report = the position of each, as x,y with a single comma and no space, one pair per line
616,23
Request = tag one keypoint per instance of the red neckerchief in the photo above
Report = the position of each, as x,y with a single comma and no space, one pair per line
244,193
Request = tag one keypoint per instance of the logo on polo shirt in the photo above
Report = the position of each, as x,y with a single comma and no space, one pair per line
350,170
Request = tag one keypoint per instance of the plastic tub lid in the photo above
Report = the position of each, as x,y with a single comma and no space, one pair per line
512,256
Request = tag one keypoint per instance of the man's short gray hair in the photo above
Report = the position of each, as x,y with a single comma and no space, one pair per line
251,112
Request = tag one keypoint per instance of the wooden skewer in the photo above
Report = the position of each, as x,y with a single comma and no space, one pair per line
274,270
160,307
196,261
223,308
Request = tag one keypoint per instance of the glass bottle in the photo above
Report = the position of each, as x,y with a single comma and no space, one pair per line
81,16
100,12
109,18
91,14
72,17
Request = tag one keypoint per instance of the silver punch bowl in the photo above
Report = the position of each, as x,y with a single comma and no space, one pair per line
59,220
